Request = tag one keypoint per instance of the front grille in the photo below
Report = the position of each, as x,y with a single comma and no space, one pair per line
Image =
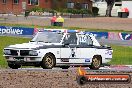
24,52
14,52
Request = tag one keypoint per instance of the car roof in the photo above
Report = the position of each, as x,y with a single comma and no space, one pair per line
59,30
65,31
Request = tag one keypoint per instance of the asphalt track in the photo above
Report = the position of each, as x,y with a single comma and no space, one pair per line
115,42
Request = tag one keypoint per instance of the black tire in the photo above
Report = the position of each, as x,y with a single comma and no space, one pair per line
48,61
81,80
64,67
96,63
14,66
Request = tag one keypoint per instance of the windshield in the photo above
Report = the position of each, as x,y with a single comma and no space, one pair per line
48,37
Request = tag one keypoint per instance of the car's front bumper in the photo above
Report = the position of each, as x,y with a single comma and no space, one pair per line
23,59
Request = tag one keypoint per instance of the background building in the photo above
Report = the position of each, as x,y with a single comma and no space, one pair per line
76,4
19,6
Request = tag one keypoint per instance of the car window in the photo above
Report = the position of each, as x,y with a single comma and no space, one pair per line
48,37
70,38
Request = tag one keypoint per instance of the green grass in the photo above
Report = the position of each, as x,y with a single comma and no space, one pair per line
72,28
5,41
121,54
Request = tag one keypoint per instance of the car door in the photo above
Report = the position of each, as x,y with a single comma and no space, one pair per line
85,48
69,48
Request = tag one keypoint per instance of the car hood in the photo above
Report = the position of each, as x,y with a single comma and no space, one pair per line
30,45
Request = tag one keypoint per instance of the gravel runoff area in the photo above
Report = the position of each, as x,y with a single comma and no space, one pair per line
112,23
47,79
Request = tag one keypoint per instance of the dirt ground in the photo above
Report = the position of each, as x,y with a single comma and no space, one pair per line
47,79
111,23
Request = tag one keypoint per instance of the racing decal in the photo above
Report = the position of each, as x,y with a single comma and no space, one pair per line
87,60
109,52
72,52
82,38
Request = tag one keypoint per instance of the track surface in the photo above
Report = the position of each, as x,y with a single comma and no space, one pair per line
116,42
112,23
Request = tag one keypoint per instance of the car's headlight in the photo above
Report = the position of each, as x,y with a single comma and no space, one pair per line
7,52
33,53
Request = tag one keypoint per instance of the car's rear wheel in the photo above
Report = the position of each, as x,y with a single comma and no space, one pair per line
14,66
96,63
48,61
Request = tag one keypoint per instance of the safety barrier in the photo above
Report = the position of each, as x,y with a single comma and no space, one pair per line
7,30
22,31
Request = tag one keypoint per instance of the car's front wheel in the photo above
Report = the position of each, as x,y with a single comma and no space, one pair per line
96,63
14,66
48,61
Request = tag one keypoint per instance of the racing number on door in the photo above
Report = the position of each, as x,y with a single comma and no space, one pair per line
82,39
